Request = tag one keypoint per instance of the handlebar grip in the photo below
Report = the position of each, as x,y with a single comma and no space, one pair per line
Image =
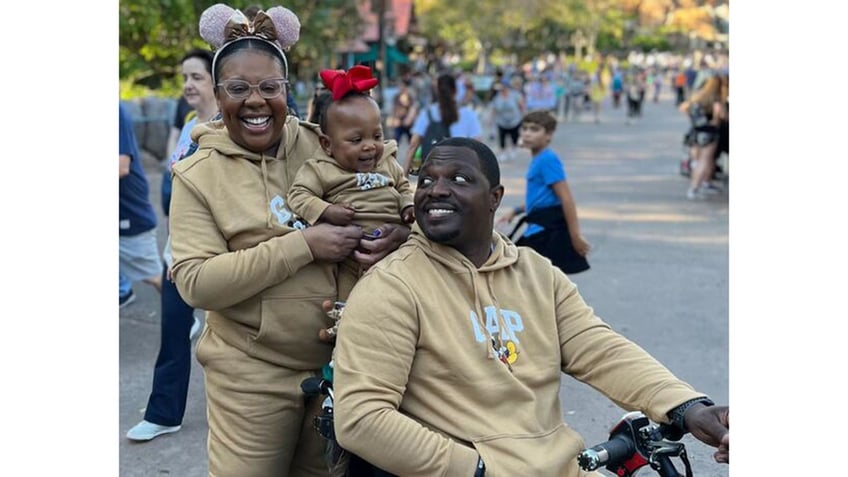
671,432
614,451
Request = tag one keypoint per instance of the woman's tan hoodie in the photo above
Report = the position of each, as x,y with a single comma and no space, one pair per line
238,254
417,336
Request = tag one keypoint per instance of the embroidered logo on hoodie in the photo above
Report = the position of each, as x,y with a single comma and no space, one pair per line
511,320
284,215
371,180
502,333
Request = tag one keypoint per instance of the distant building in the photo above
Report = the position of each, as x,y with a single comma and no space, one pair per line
398,17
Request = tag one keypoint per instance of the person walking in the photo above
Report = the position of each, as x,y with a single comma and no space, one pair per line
617,87
679,87
597,92
705,110
404,111
167,402
138,249
507,110
240,254
460,121
540,94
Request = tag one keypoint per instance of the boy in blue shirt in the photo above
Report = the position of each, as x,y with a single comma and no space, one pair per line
551,214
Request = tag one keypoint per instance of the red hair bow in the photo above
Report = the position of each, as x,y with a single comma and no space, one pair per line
341,82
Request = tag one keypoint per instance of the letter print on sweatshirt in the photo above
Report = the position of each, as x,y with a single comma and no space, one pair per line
284,215
512,324
370,180
503,332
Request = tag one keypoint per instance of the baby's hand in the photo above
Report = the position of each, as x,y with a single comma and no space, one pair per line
338,214
407,215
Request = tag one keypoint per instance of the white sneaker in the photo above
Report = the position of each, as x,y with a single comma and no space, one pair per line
709,188
195,329
693,194
145,431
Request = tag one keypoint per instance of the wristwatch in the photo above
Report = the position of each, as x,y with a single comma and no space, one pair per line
676,415
481,467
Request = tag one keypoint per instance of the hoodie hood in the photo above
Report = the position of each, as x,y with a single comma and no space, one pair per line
213,136
504,253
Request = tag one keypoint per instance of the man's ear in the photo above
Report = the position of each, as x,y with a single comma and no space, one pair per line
324,140
495,196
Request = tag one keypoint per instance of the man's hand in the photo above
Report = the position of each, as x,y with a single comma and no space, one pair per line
391,236
711,425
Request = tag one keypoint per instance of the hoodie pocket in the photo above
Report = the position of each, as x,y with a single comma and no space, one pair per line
289,329
549,454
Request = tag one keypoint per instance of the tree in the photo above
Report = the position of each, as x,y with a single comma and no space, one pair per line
155,34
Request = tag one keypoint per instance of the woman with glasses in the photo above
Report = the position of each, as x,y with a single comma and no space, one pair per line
240,254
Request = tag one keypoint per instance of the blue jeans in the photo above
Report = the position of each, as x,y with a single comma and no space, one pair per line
167,402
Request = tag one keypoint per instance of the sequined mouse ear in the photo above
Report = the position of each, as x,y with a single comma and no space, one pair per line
287,25
213,22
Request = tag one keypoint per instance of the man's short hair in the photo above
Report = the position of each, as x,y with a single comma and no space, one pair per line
542,118
488,160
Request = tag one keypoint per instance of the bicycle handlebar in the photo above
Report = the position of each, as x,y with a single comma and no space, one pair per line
634,442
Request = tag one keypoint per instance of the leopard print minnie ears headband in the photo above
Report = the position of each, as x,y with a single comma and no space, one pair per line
222,26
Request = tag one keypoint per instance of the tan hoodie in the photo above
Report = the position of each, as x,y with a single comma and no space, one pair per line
237,253
417,336
378,196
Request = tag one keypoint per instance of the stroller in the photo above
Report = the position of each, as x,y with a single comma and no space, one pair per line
722,153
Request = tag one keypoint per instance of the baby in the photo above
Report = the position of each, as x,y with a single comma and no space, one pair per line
355,177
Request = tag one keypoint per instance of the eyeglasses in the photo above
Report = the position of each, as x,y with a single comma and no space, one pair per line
240,90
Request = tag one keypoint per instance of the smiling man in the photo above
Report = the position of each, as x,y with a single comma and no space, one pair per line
451,351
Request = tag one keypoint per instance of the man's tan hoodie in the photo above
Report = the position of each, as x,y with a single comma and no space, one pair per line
239,255
417,336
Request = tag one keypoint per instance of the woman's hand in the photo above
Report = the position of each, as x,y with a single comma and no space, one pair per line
330,242
391,236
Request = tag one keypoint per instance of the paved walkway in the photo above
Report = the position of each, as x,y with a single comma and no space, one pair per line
659,275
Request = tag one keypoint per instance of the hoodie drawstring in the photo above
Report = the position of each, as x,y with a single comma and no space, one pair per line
501,321
495,346
267,193
480,311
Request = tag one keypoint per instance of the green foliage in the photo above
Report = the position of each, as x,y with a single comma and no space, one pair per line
648,42
155,34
